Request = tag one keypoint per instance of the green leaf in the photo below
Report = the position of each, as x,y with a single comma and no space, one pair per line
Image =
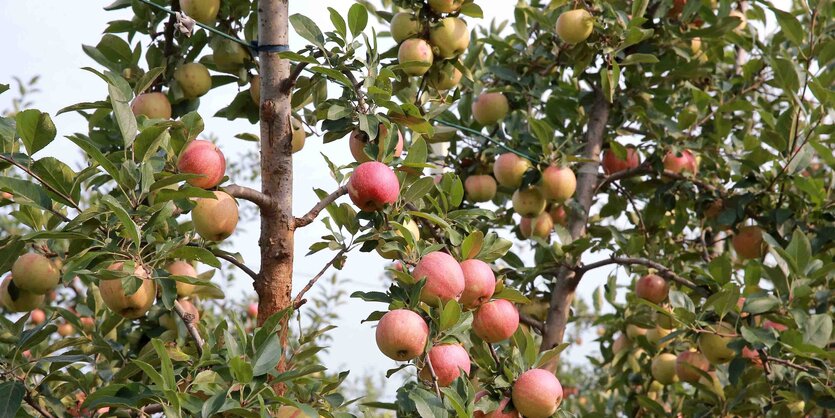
27,189
57,175
196,253
165,365
97,156
357,19
35,129
307,29
790,26
338,22
472,10
548,355
800,249
267,356
151,372
450,315
11,397
639,59
817,330
472,245
128,225
149,140
147,80
419,189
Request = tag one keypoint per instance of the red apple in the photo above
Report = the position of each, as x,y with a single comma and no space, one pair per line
509,169
480,188
769,324
252,310
496,321
490,108
479,283
152,106
748,242
38,316
540,226
687,365
529,202
215,219
678,163
444,278
203,158
537,393
447,361
402,334
66,329
613,164
558,215
373,186
558,183
415,55
653,288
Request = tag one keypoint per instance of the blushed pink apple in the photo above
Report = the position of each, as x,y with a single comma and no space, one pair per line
183,268
480,188
152,105
687,365
373,185
490,108
529,201
748,242
402,334
132,306
479,283
38,316
558,215
444,278
252,310
653,288
215,219
203,158
678,163
496,321
537,393
613,164
540,226
415,55
447,361
509,169
558,183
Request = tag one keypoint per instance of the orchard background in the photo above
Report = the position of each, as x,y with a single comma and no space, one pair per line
352,344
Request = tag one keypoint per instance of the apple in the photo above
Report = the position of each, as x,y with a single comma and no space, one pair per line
183,268
678,163
445,6
417,52
66,329
287,411
748,243
205,159
358,140
664,320
687,365
715,347
35,273
152,105
215,219
189,308
480,187
402,334
663,368
575,26
448,360
537,393
769,324
444,278
255,89
88,323
372,186
529,202
653,288
413,228
15,299
450,36
479,283
229,56
194,79
743,20
490,108
509,169
558,215
496,321
38,316
654,336
558,183
621,343
203,11
299,135
444,76
613,164
633,331
540,226
132,306
500,411
404,26
6,195
252,310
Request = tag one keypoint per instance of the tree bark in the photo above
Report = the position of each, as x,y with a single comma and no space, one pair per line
562,291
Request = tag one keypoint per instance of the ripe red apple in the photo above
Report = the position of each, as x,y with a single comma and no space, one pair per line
131,306
663,368
444,77
418,53
451,36
152,105
748,242
203,158
445,6
613,164
496,321
372,186
215,219
540,226
653,288
404,26
575,26
687,364
15,299
558,183
715,347
509,169
480,187
537,393
358,140
447,360
769,324
38,316
203,11
183,268
194,79
529,202
490,108
479,283
252,310
444,278
35,273
402,334
678,163
558,215
500,413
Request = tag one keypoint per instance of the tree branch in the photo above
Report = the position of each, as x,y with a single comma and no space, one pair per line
36,407
531,322
626,261
310,216
299,300
232,260
242,192
188,319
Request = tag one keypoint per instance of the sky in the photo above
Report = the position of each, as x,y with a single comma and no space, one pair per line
44,37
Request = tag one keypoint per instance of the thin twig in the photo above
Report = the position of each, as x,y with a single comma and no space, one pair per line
36,407
310,216
787,363
188,319
246,193
531,322
232,260
432,373
662,270
495,356
299,300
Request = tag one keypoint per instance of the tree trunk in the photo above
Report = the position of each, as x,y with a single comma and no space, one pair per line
562,291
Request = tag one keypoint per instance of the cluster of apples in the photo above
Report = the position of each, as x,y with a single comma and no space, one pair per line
33,276
403,334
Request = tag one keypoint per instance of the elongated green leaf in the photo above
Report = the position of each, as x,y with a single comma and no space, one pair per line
97,156
11,397
357,19
267,356
128,225
35,129
307,29
29,190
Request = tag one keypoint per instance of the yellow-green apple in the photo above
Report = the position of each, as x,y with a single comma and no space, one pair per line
402,334
205,159
255,89
558,183
203,11
496,321
529,201
299,135
509,169
678,163
372,186
490,108
621,343
613,164
653,288
634,331
575,26
183,268
480,187
444,278
404,25
194,79
413,228
654,336
450,36
448,360
152,105
131,306
445,6
444,76
38,316
215,219
35,273
558,215
748,242
415,55
663,368
540,226
743,20
537,393
479,283
15,299
359,139
714,343
229,56
688,365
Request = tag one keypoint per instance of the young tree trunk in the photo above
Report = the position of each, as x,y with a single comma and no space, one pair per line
562,292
